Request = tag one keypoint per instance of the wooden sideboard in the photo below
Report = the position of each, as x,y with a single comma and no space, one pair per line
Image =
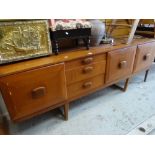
35,86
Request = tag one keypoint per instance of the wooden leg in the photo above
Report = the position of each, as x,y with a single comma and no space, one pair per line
146,74
125,85
4,127
56,47
88,43
66,108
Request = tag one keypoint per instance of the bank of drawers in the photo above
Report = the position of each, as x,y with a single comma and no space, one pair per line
85,74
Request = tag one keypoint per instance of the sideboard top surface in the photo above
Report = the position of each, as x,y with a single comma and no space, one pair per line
69,55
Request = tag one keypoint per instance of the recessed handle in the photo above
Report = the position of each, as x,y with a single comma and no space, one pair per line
38,92
146,57
87,60
87,84
123,64
87,69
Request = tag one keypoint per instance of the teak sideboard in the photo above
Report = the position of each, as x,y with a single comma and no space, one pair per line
35,86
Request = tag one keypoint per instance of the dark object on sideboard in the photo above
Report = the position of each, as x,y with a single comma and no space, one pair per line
81,33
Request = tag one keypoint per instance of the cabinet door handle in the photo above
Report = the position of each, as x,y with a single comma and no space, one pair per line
87,69
87,60
123,64
38,92
146,57
87,84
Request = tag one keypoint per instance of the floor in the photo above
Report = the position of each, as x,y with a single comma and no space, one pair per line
108,111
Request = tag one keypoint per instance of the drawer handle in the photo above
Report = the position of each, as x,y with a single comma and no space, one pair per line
146,57
87,60
87,84
38,92
123,64
87,69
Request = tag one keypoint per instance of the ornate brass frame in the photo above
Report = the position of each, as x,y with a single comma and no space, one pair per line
21,40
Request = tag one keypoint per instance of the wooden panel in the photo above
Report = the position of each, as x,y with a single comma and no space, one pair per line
120,63
85,72
144,56
84,86
84,61
32,91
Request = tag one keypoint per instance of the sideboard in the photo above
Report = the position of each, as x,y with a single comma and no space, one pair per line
32,87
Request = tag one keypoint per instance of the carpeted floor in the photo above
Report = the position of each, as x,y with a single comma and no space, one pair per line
108,111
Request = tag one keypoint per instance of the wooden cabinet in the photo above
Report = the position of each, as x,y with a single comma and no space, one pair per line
35,86
144,56
29,92
120,63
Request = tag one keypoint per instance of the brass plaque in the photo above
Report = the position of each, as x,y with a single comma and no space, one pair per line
24,40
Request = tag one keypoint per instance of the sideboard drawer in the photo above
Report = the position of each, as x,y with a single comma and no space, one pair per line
144,56
85,72
85,61
32,91
85,86
120,63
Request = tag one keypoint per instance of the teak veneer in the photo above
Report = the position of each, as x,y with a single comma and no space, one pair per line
35,86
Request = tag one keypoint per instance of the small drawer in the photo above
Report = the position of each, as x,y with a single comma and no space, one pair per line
120,63
85,61
85,86
144,56
85,72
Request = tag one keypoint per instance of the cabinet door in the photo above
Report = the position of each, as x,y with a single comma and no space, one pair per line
144,56
120,63
30,92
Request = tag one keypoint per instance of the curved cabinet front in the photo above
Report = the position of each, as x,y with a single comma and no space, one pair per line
120,63
30,92
144,56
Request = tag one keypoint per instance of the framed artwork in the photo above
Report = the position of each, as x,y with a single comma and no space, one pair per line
20,40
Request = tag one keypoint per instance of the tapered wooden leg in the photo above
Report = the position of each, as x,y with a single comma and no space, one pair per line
125,85
146,74
4,127
66,108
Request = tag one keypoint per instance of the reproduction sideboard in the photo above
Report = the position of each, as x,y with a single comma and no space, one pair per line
35,86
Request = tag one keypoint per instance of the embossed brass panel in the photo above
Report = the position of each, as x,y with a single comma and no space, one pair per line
23,40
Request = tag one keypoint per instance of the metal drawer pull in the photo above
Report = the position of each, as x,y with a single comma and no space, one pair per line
146,57
38,92
87,84
87,69
123,64
87,60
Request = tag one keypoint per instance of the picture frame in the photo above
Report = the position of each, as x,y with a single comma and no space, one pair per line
26,39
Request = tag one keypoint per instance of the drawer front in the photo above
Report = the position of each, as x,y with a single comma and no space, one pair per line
85,61
85,72
85,86
120,63
32,91
144,56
